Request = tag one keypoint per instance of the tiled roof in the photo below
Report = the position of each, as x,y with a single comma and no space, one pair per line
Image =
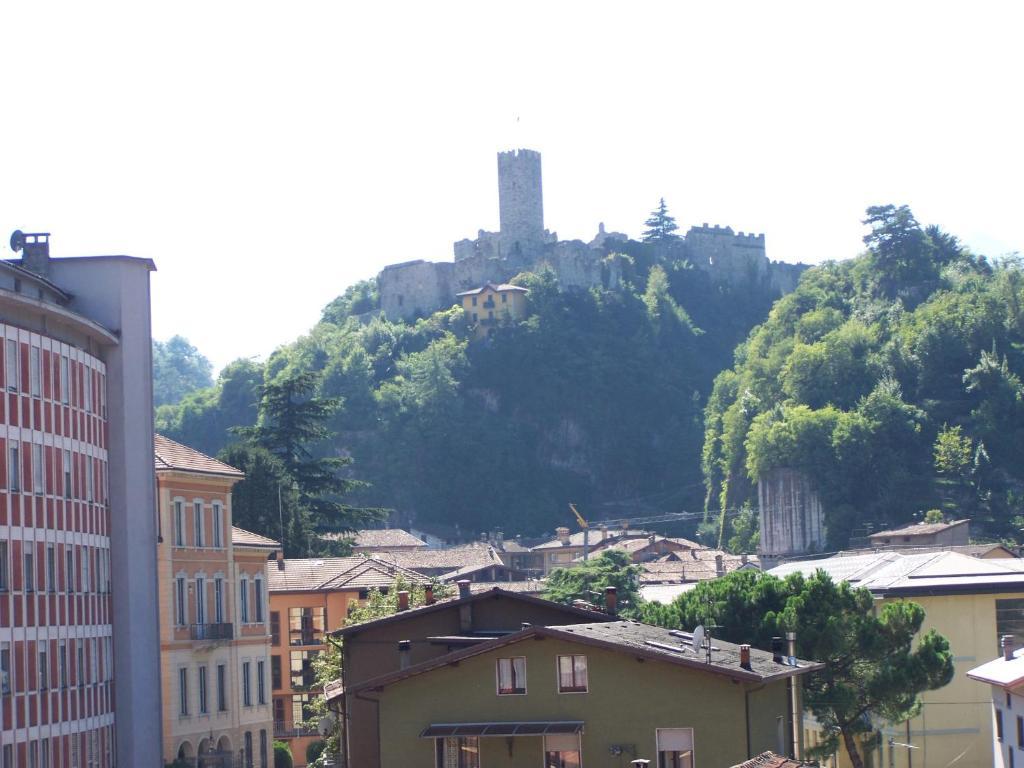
692,565
243,538
503,287
893,572
373,573
382,538
442,560
771,760
332,574
638,640
576,539
920,529
169,455
528,587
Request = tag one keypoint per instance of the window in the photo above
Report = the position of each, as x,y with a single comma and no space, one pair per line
263,748
257,584
300,709
279,712
504,298
62,663
86,581
246,685
217,522
222,686
511,676
243,603
1020,732
44,667
218,600
675,747
306,626
248,749
197,509
999,724
33,754
30,572
202,691
14,469
275,671
183,692
37,468
12,365
261,682
80,646
179,524
474,301
51,568
572,674
562,751
87,380
64,393
275,628
459,752
180,597
67,474
46,753
302,673
8,756
34,371
89,487
200,600
69,569
4,567
1010,620
5,668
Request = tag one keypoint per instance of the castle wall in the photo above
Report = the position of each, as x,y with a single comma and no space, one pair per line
415,288
792,518
520,199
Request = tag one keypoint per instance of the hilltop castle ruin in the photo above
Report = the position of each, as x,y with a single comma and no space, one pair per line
416,288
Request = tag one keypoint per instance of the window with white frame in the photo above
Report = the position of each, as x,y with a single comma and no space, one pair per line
62,663
217,523
675,747
243,600
261,683
37,468
180,598
246,684
86,581
67,473
5,668
13,469
562,750
222,686
44,667
572,674
257,600
4,568
80,668
89,488
218,600
183,692
458,752
200,600
12,365
69,568
51,567
511,675
202,691
179,524
87,380
30,572
64,388
34,371
197,511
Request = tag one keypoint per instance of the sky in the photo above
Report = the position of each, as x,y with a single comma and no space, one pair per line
267,155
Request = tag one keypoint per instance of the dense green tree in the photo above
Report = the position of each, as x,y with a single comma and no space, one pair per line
357,299
873,668
588,581
661,226
178,369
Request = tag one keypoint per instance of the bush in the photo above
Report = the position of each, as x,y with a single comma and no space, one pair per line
282,755
314,750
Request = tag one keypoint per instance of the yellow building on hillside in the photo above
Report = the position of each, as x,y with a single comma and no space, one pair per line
491,304
971,601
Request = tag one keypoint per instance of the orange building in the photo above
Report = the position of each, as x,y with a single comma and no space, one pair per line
214,621
491,304
308,598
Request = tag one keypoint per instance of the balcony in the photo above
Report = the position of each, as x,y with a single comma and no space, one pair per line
489,304
211,631
286,731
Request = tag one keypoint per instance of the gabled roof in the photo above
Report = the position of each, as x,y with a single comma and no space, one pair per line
171,456
333,574
382,538
576,539
441,560
372,573
443,605
920,529
500,288
630,637
243,538
771,760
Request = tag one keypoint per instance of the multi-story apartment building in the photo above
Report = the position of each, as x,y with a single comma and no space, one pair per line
79,683
214,630
308,598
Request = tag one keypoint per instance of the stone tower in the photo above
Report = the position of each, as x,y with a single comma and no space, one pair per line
519,197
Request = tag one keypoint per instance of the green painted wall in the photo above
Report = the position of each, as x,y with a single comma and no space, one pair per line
628,699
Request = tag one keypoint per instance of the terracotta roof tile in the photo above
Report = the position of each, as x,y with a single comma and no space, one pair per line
920,529
382,538
169,455
243,538
771,760
332,574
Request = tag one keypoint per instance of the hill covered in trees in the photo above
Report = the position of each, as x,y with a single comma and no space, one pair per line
597,397
892,380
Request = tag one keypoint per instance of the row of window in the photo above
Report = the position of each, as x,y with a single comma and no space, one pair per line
90,668
221,683
570,670
84,384
93,569
197,527
45,753
72,469
674,747
249,612
306,626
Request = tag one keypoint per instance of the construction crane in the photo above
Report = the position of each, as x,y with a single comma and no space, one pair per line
625,522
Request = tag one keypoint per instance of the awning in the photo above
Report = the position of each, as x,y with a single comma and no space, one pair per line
532,728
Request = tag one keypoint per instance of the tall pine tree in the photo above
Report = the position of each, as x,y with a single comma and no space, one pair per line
661,226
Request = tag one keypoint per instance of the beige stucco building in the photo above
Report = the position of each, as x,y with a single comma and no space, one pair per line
214,617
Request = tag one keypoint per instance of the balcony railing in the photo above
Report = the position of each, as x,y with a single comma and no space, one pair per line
212,631
285,731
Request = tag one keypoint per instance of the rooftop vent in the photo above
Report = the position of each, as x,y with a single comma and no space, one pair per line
35,250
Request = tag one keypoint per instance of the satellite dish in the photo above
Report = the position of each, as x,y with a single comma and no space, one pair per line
17,240
698,638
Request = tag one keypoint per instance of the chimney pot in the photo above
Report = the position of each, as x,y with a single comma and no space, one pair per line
463,588
404,654
777,650
1007,643
403,601
563,535
428,594
719,565
745,656
611,600
279,557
